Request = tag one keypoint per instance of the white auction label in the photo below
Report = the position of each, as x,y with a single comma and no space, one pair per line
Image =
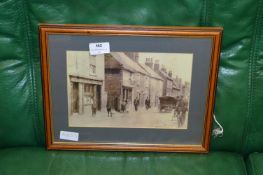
66,135
99,48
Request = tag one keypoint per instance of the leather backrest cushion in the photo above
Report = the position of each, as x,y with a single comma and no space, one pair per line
239,98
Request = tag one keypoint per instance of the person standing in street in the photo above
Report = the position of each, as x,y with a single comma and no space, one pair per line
109,109
136,103
147,103
93,107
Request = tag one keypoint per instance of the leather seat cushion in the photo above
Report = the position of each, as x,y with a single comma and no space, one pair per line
37,160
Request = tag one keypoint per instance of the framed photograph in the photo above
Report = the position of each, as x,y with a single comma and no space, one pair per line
129,88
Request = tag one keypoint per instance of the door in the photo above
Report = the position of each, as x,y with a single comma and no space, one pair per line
98,96
75,97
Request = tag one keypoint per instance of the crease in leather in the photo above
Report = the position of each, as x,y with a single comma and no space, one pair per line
254,163
3,4
49,166
31,71
253,56
244,165
251,165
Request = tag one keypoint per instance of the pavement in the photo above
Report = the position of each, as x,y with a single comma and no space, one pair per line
142,118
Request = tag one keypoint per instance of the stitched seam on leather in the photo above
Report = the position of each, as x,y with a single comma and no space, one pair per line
259,38
251,74
208,12
31,72
204,13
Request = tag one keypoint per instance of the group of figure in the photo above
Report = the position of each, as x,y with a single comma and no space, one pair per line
180,109
124,106
91,104
136,103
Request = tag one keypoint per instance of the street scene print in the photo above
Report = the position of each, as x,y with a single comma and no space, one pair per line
129,89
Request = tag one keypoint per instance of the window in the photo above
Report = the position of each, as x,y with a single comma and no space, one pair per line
92,69
92,65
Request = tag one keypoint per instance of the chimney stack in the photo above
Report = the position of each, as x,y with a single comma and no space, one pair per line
163,69
149,62
156,65
133,55
170,74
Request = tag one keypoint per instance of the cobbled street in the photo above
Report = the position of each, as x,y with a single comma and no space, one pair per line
143,118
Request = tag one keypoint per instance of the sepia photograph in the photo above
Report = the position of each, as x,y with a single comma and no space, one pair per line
129,89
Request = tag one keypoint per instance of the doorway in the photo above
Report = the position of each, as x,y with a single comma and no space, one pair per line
98,95
75,97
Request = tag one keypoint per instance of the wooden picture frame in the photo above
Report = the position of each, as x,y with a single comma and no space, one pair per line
149,88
